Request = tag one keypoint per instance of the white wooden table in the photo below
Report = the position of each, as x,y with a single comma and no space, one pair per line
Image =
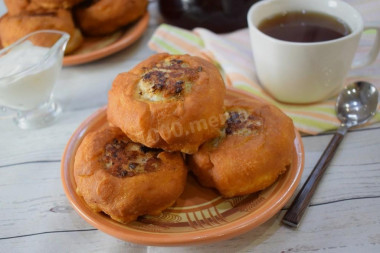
35,215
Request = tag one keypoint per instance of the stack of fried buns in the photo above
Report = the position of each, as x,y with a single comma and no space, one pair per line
171,114
90,17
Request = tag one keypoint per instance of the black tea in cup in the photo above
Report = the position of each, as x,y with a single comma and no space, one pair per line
304,26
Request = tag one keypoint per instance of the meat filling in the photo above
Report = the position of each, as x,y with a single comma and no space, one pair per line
123,158
242,123
170,78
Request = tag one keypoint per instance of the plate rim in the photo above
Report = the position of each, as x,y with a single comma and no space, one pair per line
208,235
137,30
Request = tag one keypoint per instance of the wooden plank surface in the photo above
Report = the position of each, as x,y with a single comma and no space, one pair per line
35,215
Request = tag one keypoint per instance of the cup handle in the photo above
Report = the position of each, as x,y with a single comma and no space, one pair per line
371,56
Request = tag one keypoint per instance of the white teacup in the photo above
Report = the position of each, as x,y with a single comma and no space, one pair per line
296,72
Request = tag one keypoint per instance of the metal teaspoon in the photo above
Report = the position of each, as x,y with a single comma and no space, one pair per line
355,105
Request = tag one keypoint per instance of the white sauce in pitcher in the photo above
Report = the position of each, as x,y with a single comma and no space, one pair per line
31,89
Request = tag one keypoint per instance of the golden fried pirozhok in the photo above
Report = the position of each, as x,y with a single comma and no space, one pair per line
56,4
125,179
173,102
106,16
17,7
254,148
13,28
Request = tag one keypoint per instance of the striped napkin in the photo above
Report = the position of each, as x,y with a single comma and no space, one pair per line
231,53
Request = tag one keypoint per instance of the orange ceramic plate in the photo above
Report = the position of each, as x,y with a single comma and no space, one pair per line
200,215
94,48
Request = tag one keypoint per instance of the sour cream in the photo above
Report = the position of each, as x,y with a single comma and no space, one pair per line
23,89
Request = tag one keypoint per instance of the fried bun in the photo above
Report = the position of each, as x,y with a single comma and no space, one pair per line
173,102
125,179
254,148
13,28
106,16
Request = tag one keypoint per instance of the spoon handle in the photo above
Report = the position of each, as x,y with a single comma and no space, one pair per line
296,210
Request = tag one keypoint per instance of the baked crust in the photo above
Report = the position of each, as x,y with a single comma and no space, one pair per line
125,179
106,16
13,28
254,148
56,4
173,102
17,7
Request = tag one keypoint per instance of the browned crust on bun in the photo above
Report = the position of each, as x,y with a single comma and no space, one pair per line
13,28
106,16
125,179
56,4
17,7
254,148
173,102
